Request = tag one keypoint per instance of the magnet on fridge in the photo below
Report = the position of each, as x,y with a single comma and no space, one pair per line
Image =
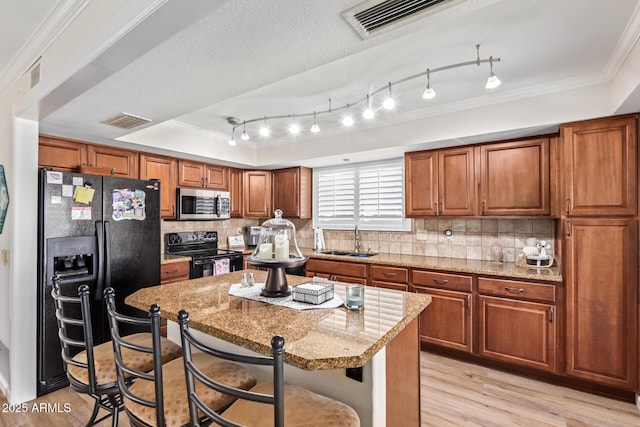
67,190
83,195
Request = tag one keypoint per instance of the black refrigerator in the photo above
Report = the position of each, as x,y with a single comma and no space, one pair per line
94,230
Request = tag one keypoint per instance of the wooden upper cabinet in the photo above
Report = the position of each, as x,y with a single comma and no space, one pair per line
514,178
601,269
440,182
119,162
456,182
256,197
421,183
216,177
202,175
235,188
61,154
164,169
292,192
599,162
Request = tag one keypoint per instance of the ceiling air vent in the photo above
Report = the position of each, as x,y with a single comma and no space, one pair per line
377,16
126,121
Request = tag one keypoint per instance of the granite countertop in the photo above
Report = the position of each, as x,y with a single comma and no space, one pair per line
314,339
502,269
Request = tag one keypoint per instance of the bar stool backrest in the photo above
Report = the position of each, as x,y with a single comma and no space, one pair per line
66,307
192,372
126,374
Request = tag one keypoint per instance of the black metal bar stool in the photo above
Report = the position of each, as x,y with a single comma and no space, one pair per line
265,405
159,397
91,369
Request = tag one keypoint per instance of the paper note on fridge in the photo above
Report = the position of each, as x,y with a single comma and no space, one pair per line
83,195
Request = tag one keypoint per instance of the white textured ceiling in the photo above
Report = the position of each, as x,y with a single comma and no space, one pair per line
253,58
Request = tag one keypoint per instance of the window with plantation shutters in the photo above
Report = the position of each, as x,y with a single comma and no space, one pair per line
370,195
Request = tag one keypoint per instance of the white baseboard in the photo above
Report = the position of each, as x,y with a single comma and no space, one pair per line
638,400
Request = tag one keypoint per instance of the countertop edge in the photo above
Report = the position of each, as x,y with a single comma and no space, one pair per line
550,274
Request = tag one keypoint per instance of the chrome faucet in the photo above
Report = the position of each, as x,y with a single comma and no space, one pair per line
356,243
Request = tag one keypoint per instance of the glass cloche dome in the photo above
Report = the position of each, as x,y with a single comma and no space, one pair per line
277,241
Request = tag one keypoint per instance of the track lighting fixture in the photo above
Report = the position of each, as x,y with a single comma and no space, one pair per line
264,130
294,128
315,128
368,113
244,136
232,140
389,103
347,120
428,91
493,81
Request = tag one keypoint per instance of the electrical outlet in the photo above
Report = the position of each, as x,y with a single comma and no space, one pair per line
5,257
421,235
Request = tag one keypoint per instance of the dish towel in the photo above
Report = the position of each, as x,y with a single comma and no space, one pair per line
222,266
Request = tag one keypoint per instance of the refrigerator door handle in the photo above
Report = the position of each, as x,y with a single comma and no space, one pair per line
101,252
107,255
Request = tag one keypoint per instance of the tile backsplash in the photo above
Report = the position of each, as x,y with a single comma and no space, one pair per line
471,238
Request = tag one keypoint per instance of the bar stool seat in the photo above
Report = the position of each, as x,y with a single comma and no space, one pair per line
104,363
176,406
301,408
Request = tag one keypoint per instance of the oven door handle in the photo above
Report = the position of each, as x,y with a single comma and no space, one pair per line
203,262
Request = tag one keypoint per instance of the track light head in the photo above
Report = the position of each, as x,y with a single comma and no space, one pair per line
493,81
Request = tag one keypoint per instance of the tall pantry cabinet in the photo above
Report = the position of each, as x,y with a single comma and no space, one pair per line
599,222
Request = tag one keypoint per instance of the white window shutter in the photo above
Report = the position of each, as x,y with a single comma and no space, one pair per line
370,195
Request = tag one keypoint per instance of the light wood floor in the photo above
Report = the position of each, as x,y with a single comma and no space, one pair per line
453,394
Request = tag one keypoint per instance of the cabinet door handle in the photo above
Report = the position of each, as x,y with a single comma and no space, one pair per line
206,182
568,206
171,271
569,228
389,274
435,205
468,301
483,205
551,314
517,290
202,182
440,281
173,209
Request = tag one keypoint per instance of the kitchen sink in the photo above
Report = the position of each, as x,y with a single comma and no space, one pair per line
350,253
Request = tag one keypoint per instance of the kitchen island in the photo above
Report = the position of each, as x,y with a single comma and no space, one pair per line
382,340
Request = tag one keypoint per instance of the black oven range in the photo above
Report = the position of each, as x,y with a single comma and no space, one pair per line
202,247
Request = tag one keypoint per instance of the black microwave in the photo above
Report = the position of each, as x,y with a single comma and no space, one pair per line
197,204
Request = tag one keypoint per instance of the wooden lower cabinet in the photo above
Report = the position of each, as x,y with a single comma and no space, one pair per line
389,277
601,266
348,272
447,321
518,332
170,273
